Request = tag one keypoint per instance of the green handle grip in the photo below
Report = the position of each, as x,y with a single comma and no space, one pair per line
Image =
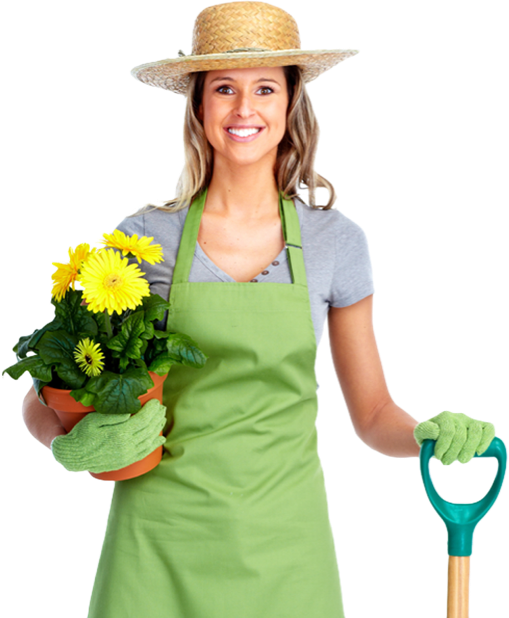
461,519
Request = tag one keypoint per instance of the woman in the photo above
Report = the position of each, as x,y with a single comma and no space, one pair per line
233,522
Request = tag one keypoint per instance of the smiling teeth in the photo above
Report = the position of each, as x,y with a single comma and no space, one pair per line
243,132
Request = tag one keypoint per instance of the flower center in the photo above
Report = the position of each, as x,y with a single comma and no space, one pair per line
88,359
112,281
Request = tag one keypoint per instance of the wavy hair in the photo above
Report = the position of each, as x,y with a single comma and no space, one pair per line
294,166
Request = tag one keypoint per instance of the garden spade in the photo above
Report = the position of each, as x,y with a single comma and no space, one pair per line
460,520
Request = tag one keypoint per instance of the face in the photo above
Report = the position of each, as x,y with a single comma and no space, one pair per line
244,113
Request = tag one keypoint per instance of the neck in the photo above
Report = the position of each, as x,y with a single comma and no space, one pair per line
242,192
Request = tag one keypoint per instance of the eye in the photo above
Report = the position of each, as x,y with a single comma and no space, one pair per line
222,88
266,89
228,88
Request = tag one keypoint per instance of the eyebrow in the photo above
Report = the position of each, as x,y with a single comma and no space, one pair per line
230,79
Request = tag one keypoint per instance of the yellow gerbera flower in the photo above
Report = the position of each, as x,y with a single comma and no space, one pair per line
64,276
89,357
111,283
141,248
66,273
81,253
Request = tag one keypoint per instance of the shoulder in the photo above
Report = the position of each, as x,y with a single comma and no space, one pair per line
162,225
328,224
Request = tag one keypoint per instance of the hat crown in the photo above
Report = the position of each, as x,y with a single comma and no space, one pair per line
244,26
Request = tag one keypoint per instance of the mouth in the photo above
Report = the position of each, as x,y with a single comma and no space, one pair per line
243,134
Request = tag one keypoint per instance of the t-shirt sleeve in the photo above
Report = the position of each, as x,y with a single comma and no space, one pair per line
133,225
352,278
165,228
136,225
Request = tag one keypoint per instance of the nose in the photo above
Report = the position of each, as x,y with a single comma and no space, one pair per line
244,105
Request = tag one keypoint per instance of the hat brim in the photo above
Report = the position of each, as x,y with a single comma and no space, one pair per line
173,74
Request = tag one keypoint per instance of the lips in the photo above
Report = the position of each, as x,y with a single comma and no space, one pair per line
243,133
243,126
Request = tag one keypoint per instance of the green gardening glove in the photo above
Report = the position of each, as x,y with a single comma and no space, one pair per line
105,442
457,436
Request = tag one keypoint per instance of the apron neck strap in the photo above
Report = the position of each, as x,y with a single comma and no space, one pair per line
291,233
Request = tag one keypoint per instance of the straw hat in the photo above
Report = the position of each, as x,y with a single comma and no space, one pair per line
240,35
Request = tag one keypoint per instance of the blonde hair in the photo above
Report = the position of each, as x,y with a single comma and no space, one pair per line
295,156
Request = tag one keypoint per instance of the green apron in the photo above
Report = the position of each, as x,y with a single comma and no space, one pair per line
233,523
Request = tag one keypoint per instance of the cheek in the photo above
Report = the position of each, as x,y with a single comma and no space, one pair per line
212,122
282,120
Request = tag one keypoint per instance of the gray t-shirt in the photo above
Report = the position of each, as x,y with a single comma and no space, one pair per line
336,257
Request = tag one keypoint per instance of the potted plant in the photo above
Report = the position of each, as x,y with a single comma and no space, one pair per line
103,351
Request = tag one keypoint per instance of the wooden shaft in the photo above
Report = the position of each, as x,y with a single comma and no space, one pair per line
457,591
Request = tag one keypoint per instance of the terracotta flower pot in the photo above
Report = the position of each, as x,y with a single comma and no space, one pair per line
70,412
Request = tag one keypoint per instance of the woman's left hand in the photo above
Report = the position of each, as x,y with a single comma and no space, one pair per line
457,436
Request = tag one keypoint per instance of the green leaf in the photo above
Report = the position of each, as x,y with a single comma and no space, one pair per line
118,393
100,320
128,343
149,331
144,346
161,334
155,307
75,317
33,364
21,348
57,348
123,363
81,395
154,348
185,350
38,386
162,363
71,374
29,343
139,362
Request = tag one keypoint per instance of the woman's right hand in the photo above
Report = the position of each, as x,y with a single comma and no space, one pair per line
105,442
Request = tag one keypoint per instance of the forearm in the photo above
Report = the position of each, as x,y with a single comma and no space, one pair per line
41,421
391,432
